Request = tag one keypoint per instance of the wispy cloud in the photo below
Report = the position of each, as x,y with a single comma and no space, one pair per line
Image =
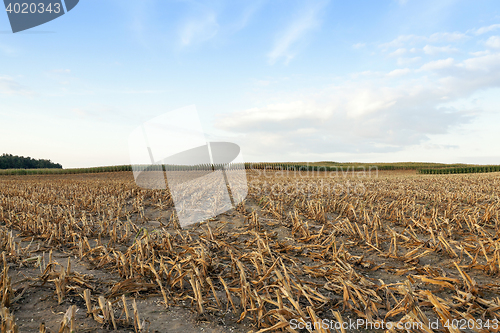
438,64
447,37
246,15
439,37
359,45
401,41
432,50
399,72
139,16
399,52
9,86
65,71
62,76
486,29
306,22
199,28
99,112
493,42
7,50
408,61
221,20
374,111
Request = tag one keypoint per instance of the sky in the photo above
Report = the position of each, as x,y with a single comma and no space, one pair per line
367,81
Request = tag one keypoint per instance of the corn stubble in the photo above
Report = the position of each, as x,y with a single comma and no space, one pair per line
281,256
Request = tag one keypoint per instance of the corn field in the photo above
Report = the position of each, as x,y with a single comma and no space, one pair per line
400,248
468,169
424,168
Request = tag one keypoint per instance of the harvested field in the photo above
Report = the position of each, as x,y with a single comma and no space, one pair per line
95,253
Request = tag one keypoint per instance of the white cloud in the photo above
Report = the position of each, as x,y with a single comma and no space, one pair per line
199,29
359,45
493,42
402,40
408,61
307,21
275,113
489,28
97,112
308,130
438,64
447,37
480,53
399,72
7,50
432,50
366,100
399,52
263,83
65,71
370,113
359,117
432,146
9,86
487,64
139,15
366,74
246,15
405,40
80,112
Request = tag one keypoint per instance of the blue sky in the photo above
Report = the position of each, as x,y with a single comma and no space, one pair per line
286,80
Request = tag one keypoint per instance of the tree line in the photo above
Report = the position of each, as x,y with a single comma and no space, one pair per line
9,161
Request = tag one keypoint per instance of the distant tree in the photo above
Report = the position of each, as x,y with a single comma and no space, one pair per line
8,161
